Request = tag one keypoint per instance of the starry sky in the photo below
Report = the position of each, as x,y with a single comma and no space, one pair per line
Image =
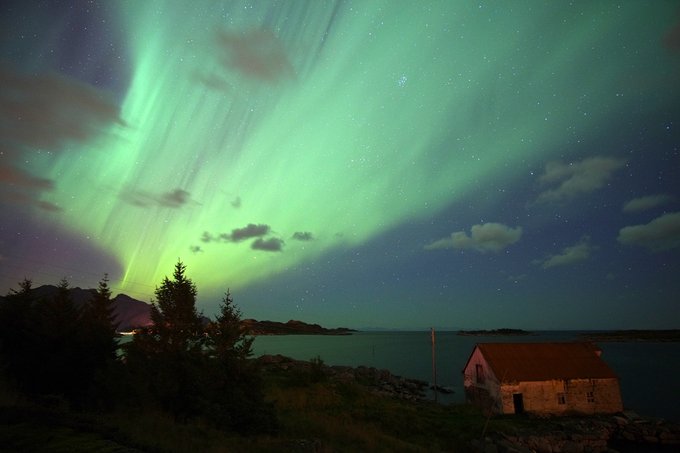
390,164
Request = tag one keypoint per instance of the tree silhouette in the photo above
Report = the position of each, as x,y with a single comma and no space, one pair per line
100,323
167,358
228,339
58,345
16,342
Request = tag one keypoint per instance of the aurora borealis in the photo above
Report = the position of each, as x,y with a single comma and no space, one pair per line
373,163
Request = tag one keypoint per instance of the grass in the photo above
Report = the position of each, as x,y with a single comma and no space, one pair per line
321,416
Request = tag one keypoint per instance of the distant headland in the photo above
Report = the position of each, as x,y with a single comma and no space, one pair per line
671,335
494,333
291,327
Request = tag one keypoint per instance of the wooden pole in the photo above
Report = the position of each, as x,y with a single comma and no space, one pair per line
434,364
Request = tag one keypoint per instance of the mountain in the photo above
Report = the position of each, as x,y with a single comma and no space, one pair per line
130,313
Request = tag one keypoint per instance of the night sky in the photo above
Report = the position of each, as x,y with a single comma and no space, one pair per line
393,164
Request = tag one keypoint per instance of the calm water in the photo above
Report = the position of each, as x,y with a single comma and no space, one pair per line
649,372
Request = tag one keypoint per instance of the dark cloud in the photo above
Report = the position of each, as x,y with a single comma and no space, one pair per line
255,54
207,237
268,245
47,206
672,38
195,249
236,202
303,236
46,111
173,199
20,187
214,82
250,231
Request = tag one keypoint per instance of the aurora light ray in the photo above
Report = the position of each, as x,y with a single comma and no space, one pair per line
333,122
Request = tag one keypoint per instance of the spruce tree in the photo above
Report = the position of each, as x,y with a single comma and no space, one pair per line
166,359
16,351
100,323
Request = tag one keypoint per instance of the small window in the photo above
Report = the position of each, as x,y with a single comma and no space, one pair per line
479,370
590,396
561,398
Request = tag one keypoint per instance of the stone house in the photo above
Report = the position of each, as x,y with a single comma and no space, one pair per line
541,378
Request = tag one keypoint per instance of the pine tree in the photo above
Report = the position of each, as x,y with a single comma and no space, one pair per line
176,323
100,323
16,351
228,338
58,344
167,358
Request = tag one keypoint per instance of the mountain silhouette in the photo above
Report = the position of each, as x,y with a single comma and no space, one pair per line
130,313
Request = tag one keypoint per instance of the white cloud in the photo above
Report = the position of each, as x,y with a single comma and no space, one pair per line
645,203
662,233
570,255
570,180
487,237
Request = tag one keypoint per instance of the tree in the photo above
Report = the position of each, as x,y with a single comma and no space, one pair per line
235,387
228,339
176,323
16,351
166,358
100,341
100,323
58,345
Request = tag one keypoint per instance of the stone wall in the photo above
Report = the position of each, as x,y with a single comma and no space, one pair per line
543,397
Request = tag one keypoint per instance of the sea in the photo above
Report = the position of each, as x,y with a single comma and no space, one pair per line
649,372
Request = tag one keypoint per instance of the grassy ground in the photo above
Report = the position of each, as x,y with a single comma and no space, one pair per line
314,416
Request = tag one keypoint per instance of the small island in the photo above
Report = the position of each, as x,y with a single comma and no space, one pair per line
291,327
504,332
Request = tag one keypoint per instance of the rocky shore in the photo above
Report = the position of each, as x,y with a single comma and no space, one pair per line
381,382
626,432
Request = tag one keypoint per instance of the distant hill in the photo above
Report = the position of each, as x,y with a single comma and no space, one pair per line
291,327
130,313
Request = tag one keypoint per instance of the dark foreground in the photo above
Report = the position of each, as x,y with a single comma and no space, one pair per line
327,409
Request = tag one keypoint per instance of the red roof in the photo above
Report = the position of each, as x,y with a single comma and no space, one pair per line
514,362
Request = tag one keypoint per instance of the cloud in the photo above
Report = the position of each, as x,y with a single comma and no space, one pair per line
49,110
268,245
303,236
256,54
662,233
196,249
250,231
173,199
487,237
645,203
236,203
672,38
570,255
578,178
20,187
207,237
